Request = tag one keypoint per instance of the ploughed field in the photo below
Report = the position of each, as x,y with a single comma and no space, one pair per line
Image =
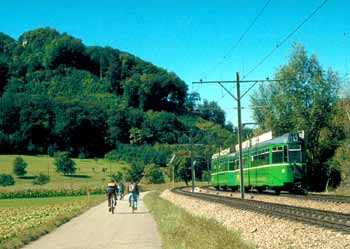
23,220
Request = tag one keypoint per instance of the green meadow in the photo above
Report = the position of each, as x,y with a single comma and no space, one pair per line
90,172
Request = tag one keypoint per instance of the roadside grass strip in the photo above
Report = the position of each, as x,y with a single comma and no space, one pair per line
181,230
24,220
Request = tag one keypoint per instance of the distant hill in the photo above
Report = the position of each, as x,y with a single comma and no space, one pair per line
59,94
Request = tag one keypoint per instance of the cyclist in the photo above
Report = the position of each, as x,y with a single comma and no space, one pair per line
120,189
135,194
130,190
111,192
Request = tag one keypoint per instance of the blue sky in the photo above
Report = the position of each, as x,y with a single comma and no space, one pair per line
191,37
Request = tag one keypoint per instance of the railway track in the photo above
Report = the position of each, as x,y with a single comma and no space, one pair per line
325,219
317,197
312,197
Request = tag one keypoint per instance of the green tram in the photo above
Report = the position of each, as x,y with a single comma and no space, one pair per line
275,164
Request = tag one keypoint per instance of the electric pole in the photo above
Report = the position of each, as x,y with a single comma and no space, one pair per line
192,166
238,99
240,135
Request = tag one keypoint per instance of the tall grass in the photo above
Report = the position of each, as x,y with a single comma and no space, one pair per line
182,230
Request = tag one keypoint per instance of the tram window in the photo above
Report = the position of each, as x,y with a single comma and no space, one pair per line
294,153
285,158
277,154
232,165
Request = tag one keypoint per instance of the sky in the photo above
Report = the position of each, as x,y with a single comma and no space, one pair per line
193,38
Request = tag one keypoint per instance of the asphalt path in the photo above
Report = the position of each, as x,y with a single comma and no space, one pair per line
97,228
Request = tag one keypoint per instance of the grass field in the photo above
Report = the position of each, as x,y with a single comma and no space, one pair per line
24,220
89,172
182,230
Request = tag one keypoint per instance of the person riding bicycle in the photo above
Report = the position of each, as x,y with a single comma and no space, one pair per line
135,192
130,190
111,191
120,189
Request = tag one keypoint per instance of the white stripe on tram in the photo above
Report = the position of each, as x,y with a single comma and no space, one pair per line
258,167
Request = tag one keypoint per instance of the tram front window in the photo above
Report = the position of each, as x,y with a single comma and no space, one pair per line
294,153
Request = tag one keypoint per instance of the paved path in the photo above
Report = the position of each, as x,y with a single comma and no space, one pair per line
97,228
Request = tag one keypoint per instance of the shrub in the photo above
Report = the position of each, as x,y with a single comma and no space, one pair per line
51,150
6,180
64,164
135,172
19,166
118,177
154,174
41,179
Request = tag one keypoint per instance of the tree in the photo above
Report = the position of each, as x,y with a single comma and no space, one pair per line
64,164
4,69
135,172
6,180
19,166
302,100
154,174
210,110
68,51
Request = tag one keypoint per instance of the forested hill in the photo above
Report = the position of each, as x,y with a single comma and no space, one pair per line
59,94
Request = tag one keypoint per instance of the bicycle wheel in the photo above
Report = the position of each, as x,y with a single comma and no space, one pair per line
132,203
113,203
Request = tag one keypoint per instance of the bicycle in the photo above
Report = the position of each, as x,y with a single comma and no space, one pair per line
133,202
120,194
113,203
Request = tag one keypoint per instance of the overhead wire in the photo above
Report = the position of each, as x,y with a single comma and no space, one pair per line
283,41
235,45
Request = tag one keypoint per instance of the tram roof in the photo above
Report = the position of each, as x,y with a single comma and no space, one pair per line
283,139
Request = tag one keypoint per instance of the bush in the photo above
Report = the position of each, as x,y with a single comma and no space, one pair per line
154,174
118,177
64,164
6,180
19,166
41,179
135,172
51,150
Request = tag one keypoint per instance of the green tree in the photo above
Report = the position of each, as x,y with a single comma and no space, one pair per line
210,110
19,166
64,164
302,100
154,174
135,172
6,180
68,51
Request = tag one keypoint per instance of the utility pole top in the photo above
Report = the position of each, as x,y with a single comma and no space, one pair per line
238,99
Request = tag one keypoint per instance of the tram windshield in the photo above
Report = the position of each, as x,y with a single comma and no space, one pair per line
294,153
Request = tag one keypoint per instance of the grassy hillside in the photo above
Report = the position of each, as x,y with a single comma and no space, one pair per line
89,172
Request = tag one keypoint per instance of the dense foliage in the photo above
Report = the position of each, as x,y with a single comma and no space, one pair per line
154,174
57,94
304,99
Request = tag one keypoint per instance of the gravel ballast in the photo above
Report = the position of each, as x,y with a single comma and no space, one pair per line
261,230
329,206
